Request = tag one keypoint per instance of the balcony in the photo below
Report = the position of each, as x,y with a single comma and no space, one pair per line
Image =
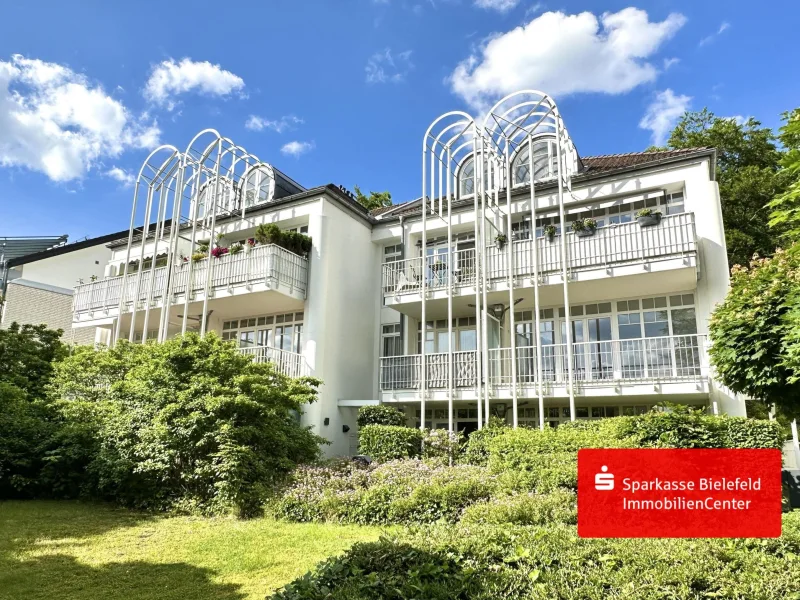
290,364
606,364
622,245
271,266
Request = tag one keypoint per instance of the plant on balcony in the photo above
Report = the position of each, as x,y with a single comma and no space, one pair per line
93,278
219,252
202,247
647,217
500,241
584,227
236,248
198,256
550,232
268,233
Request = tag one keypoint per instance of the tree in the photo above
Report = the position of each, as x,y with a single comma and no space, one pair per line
749,176
374,200
27,355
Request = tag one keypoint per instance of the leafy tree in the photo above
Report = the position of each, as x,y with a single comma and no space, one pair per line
749,176
374,200
188,423
27,354
786,207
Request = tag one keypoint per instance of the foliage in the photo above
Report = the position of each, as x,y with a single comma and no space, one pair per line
488,562
380,414
198,256
293,241
442,444
584,224
374,201
476,451
558,506
389,442
550,231
27,355
748,173
648,212
187,423
268,233
753,350
219,252
236,248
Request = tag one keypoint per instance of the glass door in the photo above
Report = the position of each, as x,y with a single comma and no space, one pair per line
600,356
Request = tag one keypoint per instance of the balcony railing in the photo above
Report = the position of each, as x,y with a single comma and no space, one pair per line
271,263
669,358
291,364
406,275
610,245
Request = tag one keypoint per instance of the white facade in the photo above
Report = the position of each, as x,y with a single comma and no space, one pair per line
350,311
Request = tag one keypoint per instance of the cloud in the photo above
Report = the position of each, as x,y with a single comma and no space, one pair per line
383,67
125,178
169,79
662,114
535,8
296,149
565,54
710,38
668,62
57,122
498,5
285,123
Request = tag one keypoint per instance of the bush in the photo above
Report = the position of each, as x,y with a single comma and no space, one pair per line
476,451
487,562
525,509
380,414
189,423
740,432
441,444
389,442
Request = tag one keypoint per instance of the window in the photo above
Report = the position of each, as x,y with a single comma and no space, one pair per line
545,162
464,336
466,177
205,197
283,332
258,187
391,340
392,253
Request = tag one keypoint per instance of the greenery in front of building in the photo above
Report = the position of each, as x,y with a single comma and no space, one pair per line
380,414
293,241
389,442
190,423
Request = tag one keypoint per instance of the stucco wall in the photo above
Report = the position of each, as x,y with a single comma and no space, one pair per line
65,270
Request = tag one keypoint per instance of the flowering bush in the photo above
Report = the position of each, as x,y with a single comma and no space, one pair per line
219,251
440,443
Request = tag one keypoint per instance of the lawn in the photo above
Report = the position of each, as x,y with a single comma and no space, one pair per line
68,550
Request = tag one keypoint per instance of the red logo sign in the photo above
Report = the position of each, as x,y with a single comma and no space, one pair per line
679,493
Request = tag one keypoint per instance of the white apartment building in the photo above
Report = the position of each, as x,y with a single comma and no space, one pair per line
479,300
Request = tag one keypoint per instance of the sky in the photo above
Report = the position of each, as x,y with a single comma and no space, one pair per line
342,91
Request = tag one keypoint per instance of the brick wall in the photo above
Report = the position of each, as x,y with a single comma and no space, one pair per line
32,304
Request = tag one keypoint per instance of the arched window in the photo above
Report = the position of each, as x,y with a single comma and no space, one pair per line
466,177
205,197
545,162
258,187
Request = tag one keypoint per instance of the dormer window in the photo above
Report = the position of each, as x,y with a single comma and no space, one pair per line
258,186
205,198
466,178
545,162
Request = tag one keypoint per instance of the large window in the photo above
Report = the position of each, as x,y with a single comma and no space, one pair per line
464,336
283,332
545,162
391,340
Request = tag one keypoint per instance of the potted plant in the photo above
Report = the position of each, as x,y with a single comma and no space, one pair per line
550,232
235,248
93,278
647,217
500,241
268,233
249,244
219,252
584,227
198,256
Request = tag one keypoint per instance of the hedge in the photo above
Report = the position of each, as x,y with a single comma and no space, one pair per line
487,562
390,442
380,414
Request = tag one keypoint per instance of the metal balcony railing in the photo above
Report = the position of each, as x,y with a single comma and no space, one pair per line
291,364
271,263
406,275
657,359
610,245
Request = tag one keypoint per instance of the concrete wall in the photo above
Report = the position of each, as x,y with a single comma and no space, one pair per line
33,303
66,269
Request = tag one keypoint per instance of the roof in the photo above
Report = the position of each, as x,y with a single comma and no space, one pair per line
67,248
14,247
594,166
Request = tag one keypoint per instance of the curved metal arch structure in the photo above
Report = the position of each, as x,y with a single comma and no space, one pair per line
172,186
515,123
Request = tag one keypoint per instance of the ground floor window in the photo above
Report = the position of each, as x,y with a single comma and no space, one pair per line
283,331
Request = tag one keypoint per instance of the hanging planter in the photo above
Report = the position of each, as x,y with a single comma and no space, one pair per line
584,227
500,241
550,232
648,217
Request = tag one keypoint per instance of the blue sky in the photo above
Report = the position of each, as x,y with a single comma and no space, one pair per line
343,91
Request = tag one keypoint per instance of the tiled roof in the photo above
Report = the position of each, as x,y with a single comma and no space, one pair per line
593,165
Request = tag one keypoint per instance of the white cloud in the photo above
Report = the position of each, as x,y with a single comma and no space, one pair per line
663,113
169,79
668,62
383,67
565,54
498,5
285,123
57,122
534,8
710,38
296,149
124,177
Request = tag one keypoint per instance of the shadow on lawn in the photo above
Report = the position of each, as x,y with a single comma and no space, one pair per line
61,576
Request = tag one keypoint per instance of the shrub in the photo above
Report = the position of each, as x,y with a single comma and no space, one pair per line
27,356
525,509
476,451
441,444
380,414
268,233
739,432
389,442
190,423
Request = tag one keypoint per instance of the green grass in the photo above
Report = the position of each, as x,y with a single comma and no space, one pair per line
64,550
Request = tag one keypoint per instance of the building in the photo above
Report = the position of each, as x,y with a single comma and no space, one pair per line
434,305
